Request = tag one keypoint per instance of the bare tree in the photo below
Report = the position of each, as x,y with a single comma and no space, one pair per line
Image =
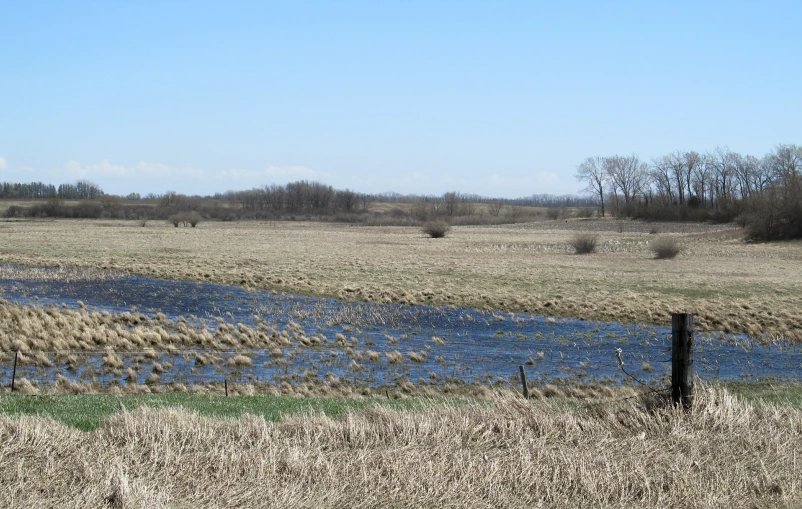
723,171
701,181
692,161
494,207
628,174
593,173
662,174
346,200
451,201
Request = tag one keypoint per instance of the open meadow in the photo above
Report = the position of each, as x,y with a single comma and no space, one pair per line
147,442
728,284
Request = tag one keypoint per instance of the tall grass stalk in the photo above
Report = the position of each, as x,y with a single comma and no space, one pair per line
509,453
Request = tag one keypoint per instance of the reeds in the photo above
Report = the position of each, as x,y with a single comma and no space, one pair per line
509,453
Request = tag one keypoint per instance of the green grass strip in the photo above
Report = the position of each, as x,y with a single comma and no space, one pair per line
87,412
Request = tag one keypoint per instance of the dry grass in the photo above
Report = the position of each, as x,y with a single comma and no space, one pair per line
30,329
509,453
743,287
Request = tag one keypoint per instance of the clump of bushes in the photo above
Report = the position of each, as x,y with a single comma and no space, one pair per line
665,248
585,243
185,218
774,214
436,229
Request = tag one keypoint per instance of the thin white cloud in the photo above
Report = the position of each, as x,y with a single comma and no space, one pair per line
547,177
74,169
3,164
272,172
146,177
415,178
145,169
498,180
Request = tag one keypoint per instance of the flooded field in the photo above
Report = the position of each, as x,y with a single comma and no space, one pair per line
331,341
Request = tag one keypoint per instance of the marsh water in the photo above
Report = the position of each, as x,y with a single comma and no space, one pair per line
473,346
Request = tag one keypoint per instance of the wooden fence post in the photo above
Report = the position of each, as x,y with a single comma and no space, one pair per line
682,359
14,371
523,382
225,384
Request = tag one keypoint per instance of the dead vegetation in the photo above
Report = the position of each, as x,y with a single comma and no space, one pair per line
665,248
745,287
585,243
508,453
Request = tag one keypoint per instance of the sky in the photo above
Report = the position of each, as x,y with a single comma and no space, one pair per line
495,97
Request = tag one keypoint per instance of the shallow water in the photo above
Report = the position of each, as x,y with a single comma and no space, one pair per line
479,346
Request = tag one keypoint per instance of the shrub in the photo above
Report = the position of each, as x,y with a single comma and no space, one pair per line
553,213
193,218
585,243
15,211
436,229
775,214
665,248
175,220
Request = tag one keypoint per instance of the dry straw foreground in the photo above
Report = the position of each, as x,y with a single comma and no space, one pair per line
729,284
509,453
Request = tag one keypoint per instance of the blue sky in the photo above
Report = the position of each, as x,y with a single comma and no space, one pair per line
497,98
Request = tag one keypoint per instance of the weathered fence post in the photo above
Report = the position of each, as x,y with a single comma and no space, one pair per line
682,359
14,372
523,382
225,384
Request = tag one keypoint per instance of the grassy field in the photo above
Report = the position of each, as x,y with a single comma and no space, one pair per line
729,284
737,447
505,452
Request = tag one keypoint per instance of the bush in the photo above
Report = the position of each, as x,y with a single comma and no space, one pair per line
15,211
436,229
665,248
585,243
193,218
774,215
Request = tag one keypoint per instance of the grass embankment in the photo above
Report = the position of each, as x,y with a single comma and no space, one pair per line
729,284
87,412
503,453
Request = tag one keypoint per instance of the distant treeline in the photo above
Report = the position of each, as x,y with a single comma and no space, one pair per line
296,200
763,193
81,190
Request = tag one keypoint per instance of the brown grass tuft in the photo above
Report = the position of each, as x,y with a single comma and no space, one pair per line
395,357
